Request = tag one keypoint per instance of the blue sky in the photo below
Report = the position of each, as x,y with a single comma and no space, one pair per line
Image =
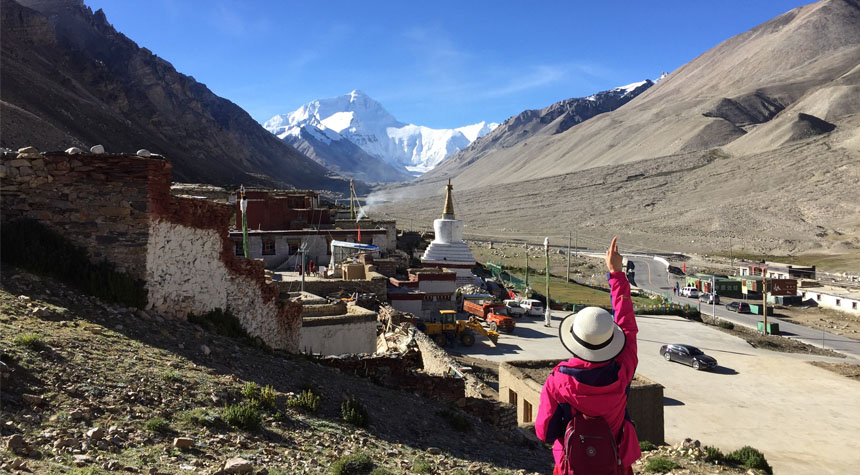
440,64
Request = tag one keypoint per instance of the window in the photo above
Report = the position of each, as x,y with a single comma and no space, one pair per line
294,247
853,305
818,297
838,302
238,249
527,412
269,247
512,397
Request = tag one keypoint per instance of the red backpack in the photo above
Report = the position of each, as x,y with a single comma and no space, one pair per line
590,447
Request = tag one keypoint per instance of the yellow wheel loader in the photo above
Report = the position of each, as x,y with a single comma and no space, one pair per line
447,329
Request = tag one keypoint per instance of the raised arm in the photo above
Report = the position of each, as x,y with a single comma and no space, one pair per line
623,306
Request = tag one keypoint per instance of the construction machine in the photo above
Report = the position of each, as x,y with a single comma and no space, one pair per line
448,328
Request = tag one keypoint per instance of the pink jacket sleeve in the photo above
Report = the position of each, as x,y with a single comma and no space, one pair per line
626,319
546,409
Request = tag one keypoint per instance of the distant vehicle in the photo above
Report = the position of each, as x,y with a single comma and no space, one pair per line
533,307
708,298
514,308
494,313
689,355
740,307
689,291
675,270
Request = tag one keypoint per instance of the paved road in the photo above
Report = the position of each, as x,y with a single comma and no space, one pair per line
651,275
776,402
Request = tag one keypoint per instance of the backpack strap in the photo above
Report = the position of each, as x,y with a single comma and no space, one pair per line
598,377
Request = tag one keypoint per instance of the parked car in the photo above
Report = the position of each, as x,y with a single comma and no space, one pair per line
689,355
533,307
675,270
708,298
689,291
514,308
740,307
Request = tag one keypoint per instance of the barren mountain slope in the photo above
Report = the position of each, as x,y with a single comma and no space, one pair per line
800,199
69,78
801,62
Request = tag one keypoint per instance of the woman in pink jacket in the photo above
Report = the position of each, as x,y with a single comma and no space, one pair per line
596,380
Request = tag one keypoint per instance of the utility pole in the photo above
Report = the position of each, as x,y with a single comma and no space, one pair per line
303,249
527,266
576,244
547,316
764,297
714,298
568,256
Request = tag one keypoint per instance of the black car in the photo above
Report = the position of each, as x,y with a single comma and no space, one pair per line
689,355
740,307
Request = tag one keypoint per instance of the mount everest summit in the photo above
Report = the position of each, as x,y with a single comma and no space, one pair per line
355,136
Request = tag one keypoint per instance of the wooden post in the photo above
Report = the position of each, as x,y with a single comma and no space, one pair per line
547,317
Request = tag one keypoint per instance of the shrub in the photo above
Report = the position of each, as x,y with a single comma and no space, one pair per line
245,416
306,401
28,244
660,464
421,466
725,324
268,398
356,464
713,454
157,424
222,323
456,420
32,341
381,471
251,391
646,445
354,413
749,458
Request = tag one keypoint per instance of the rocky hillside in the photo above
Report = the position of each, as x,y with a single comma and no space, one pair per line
70,79
97,388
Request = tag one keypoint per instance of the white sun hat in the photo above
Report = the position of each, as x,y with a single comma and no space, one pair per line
592,335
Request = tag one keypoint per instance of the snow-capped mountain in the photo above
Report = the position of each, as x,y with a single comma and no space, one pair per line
359,119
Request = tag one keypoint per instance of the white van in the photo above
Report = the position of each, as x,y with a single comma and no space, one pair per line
533,307
514,308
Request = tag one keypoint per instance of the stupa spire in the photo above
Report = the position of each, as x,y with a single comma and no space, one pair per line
448,213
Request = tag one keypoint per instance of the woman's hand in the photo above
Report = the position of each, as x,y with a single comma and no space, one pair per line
614,261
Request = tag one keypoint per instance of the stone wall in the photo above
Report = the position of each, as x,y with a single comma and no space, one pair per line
352,332
192,267
98,202
119,208
378,285
644,402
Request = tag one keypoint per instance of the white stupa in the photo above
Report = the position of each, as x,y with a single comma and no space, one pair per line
448,249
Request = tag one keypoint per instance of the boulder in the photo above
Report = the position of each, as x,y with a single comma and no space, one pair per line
237,465
97,149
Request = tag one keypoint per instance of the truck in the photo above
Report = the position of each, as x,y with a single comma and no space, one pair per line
493,313
447,329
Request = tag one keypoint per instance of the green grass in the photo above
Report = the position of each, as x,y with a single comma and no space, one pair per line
245,416
32,341
199,417
571,292
421,466
660,464
356,464
157,424
713,454
171,376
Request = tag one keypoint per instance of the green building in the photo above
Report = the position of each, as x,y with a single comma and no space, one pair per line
726,286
